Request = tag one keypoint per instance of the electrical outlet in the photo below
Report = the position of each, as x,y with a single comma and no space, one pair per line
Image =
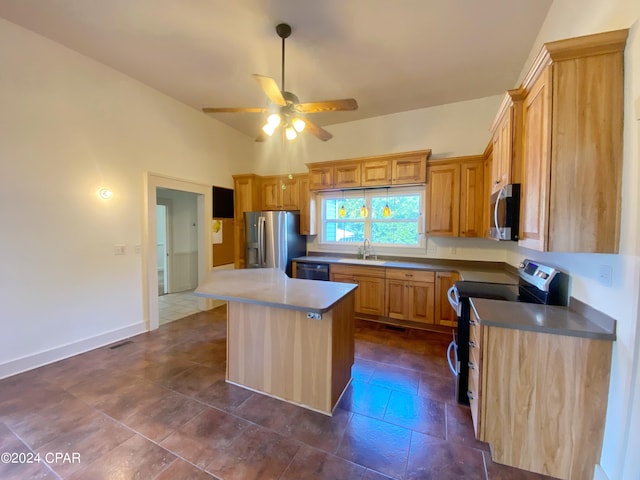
119,249
604,275
454,250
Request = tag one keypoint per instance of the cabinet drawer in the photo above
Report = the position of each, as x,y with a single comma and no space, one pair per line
411,275
357,270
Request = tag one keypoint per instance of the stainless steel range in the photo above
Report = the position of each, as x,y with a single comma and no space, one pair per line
537,284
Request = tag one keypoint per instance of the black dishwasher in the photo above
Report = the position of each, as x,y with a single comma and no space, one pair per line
313,271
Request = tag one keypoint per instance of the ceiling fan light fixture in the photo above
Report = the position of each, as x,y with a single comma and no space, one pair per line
274,120
290,133
298,124
268,129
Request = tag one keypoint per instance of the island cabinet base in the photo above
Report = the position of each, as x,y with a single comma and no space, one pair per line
284,354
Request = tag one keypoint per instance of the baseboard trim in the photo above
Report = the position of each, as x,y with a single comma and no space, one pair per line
29,362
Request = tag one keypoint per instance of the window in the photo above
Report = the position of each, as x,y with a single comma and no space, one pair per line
401,228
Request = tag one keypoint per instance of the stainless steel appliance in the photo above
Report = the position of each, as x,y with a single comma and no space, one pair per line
537,284
312,271
505,212
272,239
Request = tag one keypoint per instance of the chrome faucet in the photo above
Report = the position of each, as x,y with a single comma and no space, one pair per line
366,249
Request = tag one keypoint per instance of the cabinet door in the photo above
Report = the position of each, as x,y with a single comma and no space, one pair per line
444,314
502,151
409,170
245,199
342,278
270,193
370,295
536,160
397,293
376,172
346,175
486,205
290,194
443,204
320,178
307,207
472,198
421,302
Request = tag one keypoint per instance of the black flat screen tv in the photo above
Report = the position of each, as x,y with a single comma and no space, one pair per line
222,202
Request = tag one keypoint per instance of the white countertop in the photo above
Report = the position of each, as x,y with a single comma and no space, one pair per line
271,287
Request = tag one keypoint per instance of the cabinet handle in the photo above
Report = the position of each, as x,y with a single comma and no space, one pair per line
408,274
496,182
470,395
471,365
473,344
473,323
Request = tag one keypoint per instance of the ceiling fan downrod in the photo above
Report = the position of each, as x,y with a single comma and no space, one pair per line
283,30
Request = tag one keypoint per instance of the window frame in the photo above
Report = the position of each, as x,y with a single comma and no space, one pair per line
370,193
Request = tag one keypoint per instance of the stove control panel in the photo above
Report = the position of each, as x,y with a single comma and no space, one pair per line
537,274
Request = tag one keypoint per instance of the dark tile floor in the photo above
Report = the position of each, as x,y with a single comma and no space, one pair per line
159,408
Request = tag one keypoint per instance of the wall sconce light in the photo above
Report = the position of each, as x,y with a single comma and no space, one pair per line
105,193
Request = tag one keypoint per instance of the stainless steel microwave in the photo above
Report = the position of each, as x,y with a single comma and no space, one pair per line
505,213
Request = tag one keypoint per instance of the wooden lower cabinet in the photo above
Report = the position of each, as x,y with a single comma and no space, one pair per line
370,294
410,295
444,314
539,399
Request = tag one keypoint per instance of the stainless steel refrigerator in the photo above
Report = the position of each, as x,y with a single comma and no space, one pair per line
272,239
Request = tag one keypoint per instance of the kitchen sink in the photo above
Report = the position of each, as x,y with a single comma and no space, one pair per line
361,261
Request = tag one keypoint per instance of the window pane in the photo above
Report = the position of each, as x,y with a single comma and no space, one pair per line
399,233
344,232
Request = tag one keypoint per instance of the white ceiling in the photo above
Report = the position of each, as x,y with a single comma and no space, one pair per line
390,55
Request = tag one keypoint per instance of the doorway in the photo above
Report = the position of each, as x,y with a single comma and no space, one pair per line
201,233
163,235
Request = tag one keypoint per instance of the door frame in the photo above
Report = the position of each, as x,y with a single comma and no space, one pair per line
167,204
153,181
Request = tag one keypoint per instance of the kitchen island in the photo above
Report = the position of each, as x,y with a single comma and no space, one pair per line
288,338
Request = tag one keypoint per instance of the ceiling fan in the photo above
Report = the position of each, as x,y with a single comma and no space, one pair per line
285,108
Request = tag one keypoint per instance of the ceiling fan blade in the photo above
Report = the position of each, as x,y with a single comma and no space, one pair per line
233,110
327,106
317,131
270,88
261,136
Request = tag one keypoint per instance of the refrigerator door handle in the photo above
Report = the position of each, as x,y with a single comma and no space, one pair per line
261,239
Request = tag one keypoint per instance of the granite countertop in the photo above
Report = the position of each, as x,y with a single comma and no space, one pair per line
491,272
541,318
272,288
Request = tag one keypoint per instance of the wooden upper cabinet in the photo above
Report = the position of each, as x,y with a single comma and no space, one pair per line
535,174
572,145
376,172
280,193
472,198
334,176
486,205
443,199
320,178
506,131
346,175
407,168
455,197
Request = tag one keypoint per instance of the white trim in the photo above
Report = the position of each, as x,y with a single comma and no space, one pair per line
45,357
599,473
151,182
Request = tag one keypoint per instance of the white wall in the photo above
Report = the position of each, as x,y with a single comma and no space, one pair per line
70,125
565,19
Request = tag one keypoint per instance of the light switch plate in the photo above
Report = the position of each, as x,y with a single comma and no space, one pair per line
119,249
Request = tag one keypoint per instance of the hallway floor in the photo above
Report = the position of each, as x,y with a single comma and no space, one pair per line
174,306
158,408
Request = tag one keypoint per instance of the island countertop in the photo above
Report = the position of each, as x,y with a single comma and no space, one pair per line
271,287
